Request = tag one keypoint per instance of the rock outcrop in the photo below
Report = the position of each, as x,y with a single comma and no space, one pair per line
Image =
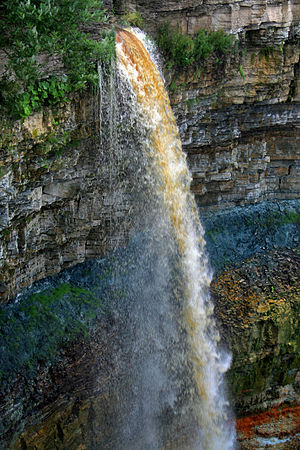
258,307
72,401
190,15
57,203
63,201
238,116
241,134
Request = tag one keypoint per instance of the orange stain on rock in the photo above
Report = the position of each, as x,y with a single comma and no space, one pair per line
246,426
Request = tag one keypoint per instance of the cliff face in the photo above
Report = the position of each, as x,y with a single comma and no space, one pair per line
258,307
238,117
63,201
240,133
190,15
58,206
73,400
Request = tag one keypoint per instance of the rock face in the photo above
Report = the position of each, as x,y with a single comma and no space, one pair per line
65,197
190,15
238,117
72,401
240,153
241,134
258,306
262,328
57,203
69,404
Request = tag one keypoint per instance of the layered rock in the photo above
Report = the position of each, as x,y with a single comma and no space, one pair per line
70,404
238,114
241,134
239,121
73,401
258,307
190,15
58,205
239,125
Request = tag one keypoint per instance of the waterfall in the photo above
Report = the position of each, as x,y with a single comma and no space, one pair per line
204,363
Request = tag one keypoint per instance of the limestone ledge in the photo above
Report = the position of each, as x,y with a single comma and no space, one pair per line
241,134
233,16
57,207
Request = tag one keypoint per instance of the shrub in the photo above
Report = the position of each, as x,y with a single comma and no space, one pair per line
222,41
183,50
134,19
178,48
37,27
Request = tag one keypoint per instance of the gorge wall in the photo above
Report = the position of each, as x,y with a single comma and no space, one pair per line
58,207
241,135
239,117
239,122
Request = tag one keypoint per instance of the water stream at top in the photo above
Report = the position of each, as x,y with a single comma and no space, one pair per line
208,363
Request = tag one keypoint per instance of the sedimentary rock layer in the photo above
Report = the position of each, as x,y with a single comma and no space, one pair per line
57,204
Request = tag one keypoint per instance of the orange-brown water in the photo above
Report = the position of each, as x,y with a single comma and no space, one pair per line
154,107
152,97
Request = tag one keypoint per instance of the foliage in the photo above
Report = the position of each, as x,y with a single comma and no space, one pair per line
177,48
22,102
173,86
266,52
36,29
134,19
182,50
241,72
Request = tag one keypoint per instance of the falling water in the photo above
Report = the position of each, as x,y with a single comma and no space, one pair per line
208,363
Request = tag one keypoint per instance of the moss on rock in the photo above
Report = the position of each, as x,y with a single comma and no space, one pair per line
258,305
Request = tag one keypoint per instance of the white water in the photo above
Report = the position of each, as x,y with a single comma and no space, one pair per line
163,145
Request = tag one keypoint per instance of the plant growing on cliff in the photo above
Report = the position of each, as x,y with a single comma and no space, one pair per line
35,329
35,30
178,48
241,72
133,19
182,50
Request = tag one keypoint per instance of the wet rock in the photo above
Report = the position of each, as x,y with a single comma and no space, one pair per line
260,322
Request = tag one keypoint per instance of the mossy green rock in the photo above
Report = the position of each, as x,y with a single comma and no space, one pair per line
258,307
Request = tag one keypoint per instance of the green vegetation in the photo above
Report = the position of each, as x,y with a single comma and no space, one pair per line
182,50
133,19
173,87
3,171
291,217
267,52
34,30
275,339
241,72
48,316
33,330
5,232
278,218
